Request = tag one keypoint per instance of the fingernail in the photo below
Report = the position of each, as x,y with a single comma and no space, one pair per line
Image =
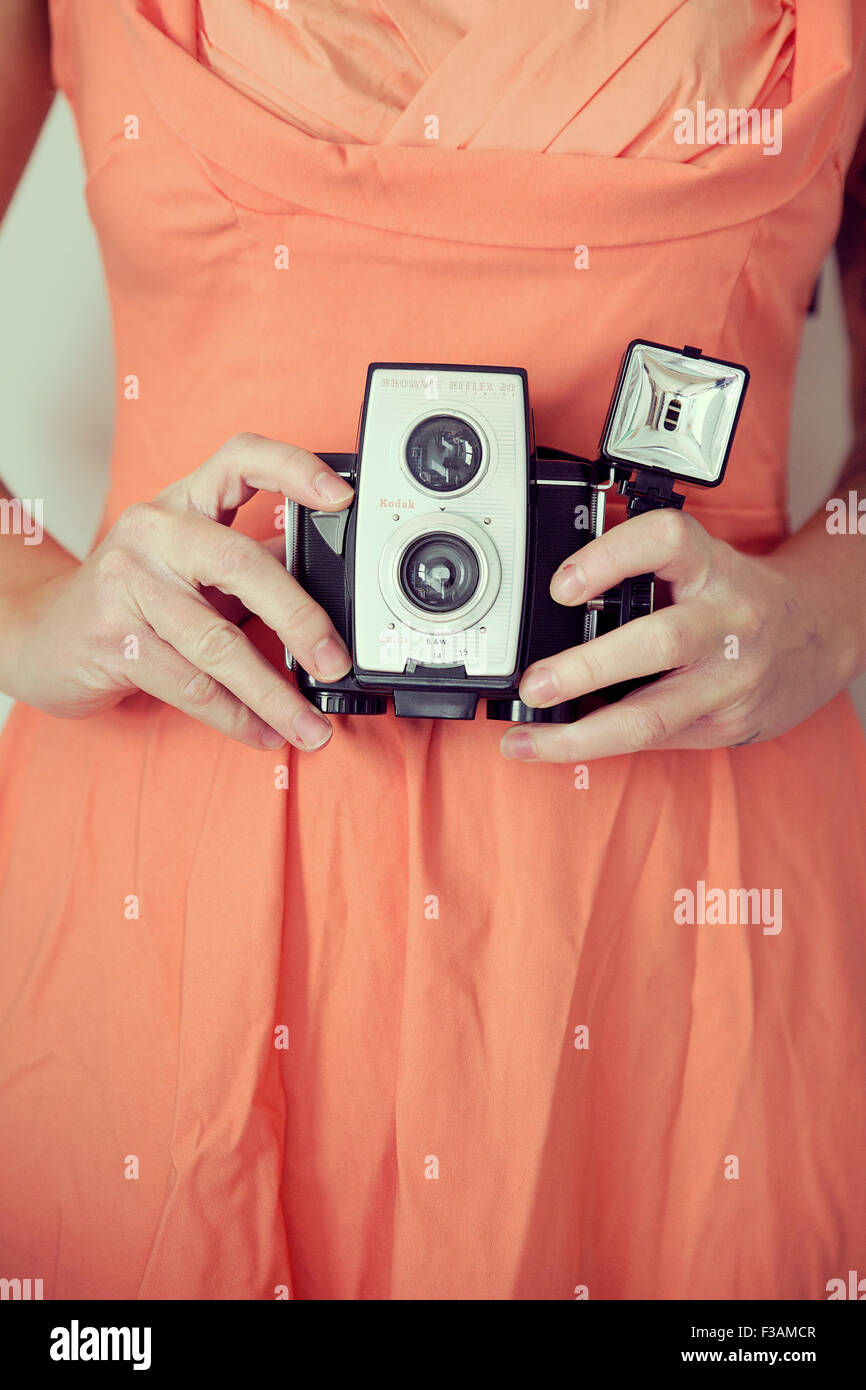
539,687
331,657
311,728
517,743
569,582
332,488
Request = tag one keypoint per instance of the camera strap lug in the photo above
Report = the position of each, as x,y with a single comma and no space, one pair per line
611,477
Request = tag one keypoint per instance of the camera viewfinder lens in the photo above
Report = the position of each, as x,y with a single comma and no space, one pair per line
443,453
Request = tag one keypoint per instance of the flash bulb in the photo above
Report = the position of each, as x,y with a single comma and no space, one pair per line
674,412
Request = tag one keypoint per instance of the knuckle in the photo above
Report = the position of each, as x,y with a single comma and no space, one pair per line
245,555
227,463
732,729
668,644
242,442
590,671
235,556
647,726
747,622
216,643
673,529
272,699
710,731
611,555
136,522
745,702
753,676
115,567
201,691
99,676
293,455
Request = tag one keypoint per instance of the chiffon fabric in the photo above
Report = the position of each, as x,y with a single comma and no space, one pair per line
401,1019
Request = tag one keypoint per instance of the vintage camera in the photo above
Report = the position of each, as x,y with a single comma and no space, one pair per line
437,576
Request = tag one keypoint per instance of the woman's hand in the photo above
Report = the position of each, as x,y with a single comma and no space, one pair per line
752,646
173,575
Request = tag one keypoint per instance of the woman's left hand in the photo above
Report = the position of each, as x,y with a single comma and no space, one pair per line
752,646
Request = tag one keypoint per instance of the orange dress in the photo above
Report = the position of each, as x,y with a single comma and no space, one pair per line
510,1072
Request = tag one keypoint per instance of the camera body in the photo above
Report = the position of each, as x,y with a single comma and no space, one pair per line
437,575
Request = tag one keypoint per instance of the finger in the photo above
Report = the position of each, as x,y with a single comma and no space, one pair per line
219,650
249,463
276,545
228,604
201,552
654,718
662,641
163,673
668,543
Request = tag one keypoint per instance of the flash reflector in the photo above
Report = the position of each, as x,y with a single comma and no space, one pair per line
674,413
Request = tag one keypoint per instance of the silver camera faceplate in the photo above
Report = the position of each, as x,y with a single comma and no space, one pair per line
488,514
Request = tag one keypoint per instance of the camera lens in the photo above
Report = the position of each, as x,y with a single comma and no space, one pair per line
439,572
443,453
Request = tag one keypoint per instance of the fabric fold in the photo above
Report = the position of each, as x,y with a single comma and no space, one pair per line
503,197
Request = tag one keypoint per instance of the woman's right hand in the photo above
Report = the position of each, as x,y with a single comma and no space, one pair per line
172,574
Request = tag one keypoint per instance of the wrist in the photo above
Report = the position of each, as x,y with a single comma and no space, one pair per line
823,577
20,609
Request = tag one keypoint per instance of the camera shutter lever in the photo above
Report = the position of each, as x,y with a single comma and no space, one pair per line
331,526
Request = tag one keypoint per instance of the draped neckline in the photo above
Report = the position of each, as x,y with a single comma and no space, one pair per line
500,197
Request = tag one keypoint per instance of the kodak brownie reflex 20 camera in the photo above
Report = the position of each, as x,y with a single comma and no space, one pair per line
437,576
